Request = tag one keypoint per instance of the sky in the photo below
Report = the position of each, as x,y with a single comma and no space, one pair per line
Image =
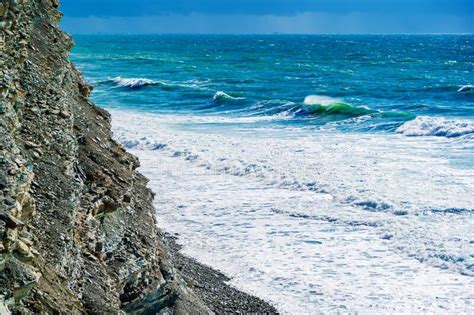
268,16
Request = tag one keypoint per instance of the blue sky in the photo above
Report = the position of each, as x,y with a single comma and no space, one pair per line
268,16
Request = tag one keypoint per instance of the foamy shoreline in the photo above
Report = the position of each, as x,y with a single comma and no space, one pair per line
272,240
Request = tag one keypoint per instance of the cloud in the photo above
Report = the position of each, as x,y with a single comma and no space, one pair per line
84,8
267,16
302,23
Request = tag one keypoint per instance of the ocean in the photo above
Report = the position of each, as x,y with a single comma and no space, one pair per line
321,173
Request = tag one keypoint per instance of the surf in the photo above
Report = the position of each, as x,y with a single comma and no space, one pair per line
222,97
437,127
466,88
318,105
134,83
141,83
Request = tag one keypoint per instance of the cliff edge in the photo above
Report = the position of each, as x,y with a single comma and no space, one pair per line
77,225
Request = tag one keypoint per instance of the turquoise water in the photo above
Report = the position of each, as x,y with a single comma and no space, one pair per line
331,173
395,77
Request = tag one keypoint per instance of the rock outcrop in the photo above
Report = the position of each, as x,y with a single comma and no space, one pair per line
77,225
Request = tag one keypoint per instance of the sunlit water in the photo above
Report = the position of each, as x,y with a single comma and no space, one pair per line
322,173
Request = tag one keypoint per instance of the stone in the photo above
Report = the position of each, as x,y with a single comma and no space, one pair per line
3,9
28,211
55,3
22,248
31,145
59,168
10,221
64,113
4,309
3,182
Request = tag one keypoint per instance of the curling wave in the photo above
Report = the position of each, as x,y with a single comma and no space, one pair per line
324,105
466,88
134,83
139,83
222,97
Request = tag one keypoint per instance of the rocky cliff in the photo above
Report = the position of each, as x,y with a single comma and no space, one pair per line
77,226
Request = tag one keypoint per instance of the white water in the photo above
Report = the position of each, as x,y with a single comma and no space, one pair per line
437,126
320,100
133,82
220,95
315,221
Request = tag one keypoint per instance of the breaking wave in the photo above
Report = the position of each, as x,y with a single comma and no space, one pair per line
222,97
320,100
140,83
466,88
438,127
134,83
324,105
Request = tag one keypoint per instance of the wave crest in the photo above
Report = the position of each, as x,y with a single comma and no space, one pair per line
134,83
222,97
466,88
438,127
316,104
325,105
320,100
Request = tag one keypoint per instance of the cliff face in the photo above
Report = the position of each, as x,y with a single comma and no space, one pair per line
77,226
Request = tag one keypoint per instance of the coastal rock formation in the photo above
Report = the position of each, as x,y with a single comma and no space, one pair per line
77,225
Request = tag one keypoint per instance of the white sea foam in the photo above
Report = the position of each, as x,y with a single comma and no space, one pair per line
436,126
137,83
320,100
466,88
222,96
315,222
133,82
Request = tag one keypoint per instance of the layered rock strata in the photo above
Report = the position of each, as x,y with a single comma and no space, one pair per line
77,225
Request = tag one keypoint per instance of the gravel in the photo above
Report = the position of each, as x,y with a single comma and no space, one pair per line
211,286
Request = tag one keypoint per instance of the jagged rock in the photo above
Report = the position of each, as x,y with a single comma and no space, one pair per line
31,145
3,9
64,114
77,227
10,221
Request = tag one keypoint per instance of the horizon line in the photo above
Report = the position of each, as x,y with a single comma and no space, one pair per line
272,34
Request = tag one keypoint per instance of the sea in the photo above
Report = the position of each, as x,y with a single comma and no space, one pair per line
323,174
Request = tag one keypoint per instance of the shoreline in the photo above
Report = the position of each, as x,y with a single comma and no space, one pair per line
212,287
213,192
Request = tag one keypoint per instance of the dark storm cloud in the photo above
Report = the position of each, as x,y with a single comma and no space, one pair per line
83,8
268,16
